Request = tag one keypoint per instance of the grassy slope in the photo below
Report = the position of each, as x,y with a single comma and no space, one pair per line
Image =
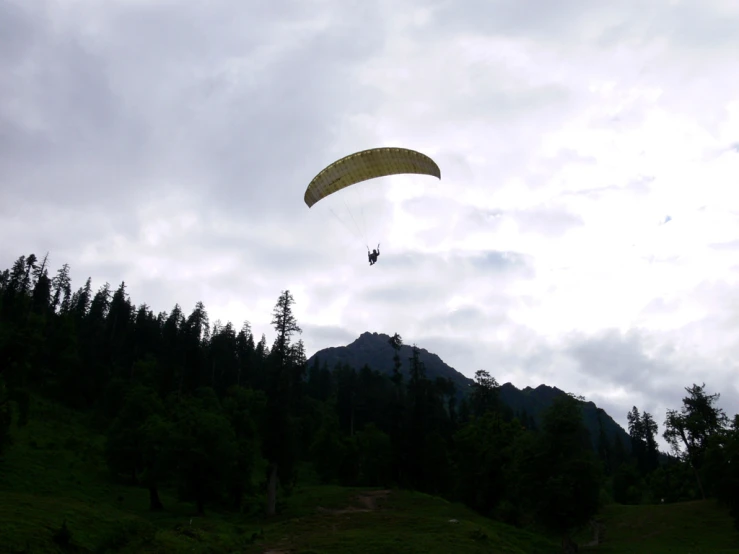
404,522
55,472
687,527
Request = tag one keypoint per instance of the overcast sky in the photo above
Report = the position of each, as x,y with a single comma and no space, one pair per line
169,144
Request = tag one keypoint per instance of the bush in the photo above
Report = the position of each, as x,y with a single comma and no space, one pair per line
63,536
127,533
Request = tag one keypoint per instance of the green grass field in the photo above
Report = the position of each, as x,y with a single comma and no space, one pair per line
699,527
55,473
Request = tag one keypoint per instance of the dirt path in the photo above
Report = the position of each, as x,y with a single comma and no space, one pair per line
368,501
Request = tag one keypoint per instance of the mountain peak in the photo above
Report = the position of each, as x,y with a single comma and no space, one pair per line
372,335
373,350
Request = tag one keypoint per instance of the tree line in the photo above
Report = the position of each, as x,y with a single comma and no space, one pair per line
231,422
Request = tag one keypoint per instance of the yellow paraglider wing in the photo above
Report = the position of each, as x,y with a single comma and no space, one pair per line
368,164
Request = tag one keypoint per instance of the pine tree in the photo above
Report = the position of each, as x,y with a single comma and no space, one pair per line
279,442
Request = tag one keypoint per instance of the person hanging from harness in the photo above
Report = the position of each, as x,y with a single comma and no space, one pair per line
373,255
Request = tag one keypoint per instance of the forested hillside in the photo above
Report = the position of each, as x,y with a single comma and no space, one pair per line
216,416
374,350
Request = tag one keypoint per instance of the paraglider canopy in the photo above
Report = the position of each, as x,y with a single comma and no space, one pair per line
368,164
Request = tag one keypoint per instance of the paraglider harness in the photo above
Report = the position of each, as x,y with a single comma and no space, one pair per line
373,255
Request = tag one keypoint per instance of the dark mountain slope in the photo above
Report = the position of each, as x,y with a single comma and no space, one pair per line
374,350
534,401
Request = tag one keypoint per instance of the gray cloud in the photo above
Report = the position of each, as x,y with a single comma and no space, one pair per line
107,127
406,295
652,371
566,19
499,261
547,221
324,336
443,269
550,221
618,358
730,246
689,26
638,186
